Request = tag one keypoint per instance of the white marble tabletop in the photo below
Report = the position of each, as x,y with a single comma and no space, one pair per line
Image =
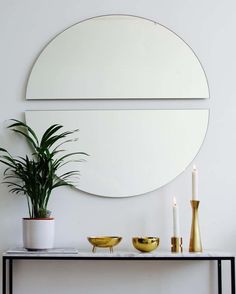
73,252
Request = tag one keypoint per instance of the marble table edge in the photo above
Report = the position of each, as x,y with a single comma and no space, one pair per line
121,254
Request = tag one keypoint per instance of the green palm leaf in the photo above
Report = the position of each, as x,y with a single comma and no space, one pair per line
26,127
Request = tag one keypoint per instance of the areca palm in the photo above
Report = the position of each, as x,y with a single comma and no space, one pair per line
35,176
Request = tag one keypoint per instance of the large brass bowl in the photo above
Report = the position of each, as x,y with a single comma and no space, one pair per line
104,242
146,244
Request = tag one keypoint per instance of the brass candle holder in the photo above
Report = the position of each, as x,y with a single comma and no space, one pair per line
176,245
195,244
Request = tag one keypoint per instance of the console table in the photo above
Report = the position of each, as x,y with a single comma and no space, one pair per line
10,257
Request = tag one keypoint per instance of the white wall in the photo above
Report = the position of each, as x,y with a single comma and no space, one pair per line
209,28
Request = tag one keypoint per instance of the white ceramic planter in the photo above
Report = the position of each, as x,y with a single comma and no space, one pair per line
38,234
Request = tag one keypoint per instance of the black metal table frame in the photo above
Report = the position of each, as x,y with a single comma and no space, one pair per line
8,263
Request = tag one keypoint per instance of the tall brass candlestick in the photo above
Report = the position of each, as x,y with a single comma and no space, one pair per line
195,244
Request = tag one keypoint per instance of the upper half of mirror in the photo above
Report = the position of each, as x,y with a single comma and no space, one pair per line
117,57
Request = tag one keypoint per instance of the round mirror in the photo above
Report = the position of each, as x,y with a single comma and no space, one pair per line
118,56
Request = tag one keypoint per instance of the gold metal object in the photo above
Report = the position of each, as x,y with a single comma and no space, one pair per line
104,242
176,244
195,244
146,244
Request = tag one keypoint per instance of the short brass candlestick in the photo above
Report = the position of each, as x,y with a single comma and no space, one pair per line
195,244
176,245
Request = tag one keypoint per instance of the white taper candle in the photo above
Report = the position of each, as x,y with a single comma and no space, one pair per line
176,231
194,183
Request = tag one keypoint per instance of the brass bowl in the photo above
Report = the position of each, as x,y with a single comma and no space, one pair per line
104,242
146,244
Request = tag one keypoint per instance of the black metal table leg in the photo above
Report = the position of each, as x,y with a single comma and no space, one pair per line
232,261
10,276
219,276
4,267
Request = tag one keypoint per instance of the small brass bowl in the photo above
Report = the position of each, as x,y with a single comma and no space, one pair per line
104,242
146,244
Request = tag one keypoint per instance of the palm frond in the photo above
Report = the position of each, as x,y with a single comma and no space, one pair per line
26,127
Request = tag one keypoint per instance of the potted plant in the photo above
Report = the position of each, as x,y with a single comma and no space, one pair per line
35,176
